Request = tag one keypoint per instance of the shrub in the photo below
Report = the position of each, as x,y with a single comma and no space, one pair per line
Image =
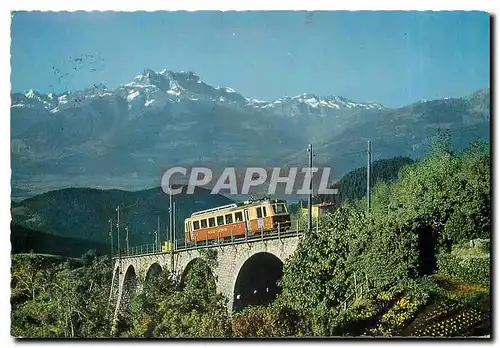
468,269
259,321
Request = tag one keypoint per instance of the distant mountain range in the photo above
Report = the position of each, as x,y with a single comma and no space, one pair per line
124,138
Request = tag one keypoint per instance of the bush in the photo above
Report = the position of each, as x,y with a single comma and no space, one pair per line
353,321
468,269
259,321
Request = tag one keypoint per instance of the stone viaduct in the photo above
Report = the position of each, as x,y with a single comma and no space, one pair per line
244,267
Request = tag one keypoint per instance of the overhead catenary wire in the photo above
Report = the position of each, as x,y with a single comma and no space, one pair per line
394,141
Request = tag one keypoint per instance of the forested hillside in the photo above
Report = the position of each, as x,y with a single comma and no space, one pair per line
25,240
84,213
352,186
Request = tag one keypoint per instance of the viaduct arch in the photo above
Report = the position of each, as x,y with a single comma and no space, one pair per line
238,268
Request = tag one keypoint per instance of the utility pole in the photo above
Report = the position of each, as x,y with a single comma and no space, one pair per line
171,220
111,238
126,239
368,168
158,225
170,228
119,247
309,201
173,223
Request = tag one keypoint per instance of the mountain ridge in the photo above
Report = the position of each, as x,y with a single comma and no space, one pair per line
125,138
176,83
84,212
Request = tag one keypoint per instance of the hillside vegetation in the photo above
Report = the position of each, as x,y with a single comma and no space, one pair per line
84,213
25,240
352,186
397,253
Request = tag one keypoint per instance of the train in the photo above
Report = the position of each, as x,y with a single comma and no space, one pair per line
237,220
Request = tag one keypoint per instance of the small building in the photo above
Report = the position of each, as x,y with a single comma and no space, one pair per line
320,209
167,246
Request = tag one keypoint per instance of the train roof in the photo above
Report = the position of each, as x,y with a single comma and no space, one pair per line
235,206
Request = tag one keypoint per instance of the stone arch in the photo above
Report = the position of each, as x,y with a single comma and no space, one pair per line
254,282
115,277
115,284
120,271
189,266
130,281
129,286
153,271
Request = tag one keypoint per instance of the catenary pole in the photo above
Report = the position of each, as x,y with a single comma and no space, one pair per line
118,235
170,214
174,231
111,239
309,201
368,169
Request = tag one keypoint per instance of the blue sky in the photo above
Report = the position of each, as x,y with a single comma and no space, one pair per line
393,58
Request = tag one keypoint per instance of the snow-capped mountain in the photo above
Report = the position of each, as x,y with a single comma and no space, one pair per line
32,99
152,89
125,137
313,101
53,102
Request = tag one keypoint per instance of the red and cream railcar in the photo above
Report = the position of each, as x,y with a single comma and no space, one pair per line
237,220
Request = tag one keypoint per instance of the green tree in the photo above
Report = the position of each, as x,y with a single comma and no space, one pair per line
165,308
316,273
56,298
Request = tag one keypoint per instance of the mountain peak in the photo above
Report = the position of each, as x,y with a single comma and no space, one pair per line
167,86
330,101
482,93
190,75
149,74
146,74
30,94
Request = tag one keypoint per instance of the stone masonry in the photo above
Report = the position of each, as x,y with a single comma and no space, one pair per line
230,259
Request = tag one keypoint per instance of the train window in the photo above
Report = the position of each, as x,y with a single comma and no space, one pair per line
279,208
220,220
196,225
264,211
203,223
238,216
229,218
211,222
259,212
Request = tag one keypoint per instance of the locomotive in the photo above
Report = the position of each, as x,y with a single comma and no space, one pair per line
237,220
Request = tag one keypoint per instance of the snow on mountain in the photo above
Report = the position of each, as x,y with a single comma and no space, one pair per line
149,102
167,86
313,101
132,95
32,100
316,104
30,94
63,99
